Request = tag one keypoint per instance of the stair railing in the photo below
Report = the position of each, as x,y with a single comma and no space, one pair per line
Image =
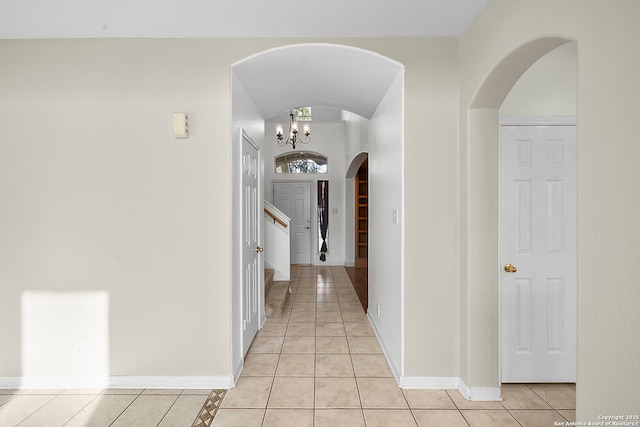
276,226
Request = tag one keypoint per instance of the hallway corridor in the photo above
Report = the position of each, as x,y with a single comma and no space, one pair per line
321,365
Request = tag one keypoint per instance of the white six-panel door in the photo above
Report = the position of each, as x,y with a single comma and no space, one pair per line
252,297
294,200
538,238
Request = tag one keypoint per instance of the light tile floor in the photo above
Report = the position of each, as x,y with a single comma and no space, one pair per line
100,408
319,365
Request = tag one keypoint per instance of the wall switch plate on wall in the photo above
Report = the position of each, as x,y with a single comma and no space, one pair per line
180,125
395,214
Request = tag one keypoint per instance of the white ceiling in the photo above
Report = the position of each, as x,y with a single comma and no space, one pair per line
316,74
235,18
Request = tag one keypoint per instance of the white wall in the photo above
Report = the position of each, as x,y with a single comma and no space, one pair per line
97,195
357,128
357,131
431,264
386,240
112,202
607,36
547,88
328,139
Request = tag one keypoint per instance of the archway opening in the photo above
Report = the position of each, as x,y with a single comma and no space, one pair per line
372,87
358,202
480,358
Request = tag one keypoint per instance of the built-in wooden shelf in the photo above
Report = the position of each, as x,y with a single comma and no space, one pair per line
362,215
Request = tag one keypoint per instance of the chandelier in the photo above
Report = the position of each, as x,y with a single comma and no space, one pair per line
293,137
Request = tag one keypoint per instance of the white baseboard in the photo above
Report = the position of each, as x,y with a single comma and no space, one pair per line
480,394
430,383
224,382
236,372
67,382
395,370
483,394
10,383
145,382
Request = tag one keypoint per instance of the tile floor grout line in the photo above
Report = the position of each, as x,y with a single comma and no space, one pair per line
558,412
463,416
514,417
168,410
543,399
95,396
125,409
53,396
502,399
455,405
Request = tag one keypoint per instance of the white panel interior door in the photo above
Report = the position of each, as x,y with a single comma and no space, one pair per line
252,298
294,200
538,238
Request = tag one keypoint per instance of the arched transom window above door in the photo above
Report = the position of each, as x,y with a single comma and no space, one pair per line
301,162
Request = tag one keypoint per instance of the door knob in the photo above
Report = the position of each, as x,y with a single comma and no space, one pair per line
259,249
509,268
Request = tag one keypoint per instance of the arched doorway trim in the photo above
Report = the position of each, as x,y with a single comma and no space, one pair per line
479,297
352,170
506,73
355,80
344,77
355,164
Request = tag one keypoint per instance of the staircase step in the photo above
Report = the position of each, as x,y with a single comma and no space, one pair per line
268,279
276,299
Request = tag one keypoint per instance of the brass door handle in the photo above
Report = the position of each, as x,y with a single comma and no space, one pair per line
259,249
509,268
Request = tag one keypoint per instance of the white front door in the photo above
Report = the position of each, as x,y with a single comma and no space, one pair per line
252,298
294,200
538,238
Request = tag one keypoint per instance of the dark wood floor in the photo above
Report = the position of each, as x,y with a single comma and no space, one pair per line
360,279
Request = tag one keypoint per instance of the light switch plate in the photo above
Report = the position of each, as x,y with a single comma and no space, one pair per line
180,125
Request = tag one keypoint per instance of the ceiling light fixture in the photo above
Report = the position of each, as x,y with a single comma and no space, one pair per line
293,138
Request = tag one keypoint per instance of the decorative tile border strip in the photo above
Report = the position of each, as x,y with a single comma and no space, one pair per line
209,409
